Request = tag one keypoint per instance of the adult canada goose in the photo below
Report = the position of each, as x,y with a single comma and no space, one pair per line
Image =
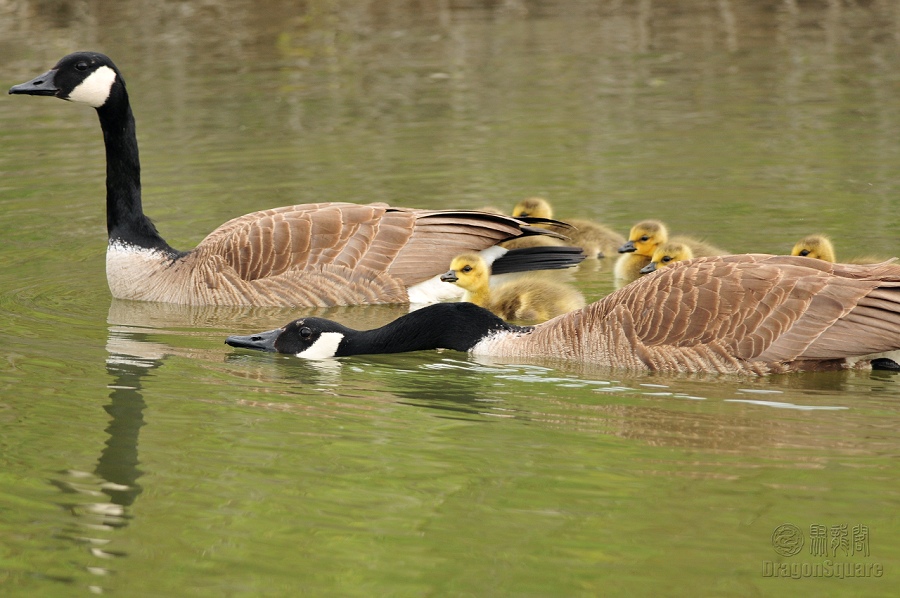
667,254
745,314
530,298
643,240
309,255
820,247
596,239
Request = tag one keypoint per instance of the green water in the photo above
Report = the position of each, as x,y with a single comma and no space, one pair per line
140,456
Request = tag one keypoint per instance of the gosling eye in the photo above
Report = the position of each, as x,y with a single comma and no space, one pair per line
467,269
81,66
804,252
645,238
667,258
305,333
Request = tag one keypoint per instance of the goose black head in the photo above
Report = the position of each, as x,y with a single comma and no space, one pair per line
85,77
313,338
457,326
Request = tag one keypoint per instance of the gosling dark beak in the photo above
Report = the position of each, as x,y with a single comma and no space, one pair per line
39,86
261,341
449,276
651,267
628,247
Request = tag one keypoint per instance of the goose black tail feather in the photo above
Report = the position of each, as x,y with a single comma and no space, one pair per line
537,258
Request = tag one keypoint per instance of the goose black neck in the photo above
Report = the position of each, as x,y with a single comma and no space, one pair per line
125,219
458,326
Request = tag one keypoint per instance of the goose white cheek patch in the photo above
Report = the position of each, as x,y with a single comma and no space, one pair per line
94,91
326,346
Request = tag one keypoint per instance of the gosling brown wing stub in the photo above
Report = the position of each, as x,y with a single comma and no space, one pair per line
740,313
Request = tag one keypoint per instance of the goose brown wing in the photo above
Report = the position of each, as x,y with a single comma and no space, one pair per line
439,236
738,313
769,308
271,242
408,244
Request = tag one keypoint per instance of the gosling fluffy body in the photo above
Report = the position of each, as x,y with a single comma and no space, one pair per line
820,247
594,238
644,239
667,254
526,298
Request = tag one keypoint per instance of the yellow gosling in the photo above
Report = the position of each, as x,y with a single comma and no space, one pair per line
644,239
529,298
820,247
594,238
668,253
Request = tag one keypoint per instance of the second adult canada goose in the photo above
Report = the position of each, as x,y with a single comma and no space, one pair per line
596,239
667,254
531,298
307,255
744,314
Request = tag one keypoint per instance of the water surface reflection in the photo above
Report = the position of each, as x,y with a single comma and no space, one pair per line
213,471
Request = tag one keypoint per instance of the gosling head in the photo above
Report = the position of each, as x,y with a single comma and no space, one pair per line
468,271
667,253
533,207
645,237
85,77
815,246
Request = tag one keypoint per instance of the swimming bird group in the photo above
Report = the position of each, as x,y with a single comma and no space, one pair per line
710,312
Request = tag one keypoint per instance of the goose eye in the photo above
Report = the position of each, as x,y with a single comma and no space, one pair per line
804,253
467,268
305,333
667,259
645,238
81,66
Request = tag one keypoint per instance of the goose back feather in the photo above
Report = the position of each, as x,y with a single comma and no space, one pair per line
738,314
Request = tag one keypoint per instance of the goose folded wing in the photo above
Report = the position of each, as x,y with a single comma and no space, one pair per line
308,237
439,236
772,309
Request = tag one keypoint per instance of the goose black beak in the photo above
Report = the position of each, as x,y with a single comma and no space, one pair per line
261,341
449,276
651,267
628,247
39,86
